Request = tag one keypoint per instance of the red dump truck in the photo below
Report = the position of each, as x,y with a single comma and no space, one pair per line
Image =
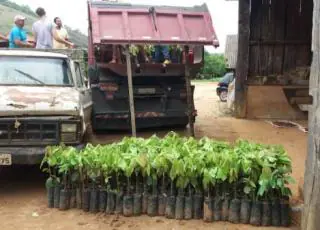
159,91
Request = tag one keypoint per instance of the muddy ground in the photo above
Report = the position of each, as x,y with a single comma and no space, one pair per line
23,198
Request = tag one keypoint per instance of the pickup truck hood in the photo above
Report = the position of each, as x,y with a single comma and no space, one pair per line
38,100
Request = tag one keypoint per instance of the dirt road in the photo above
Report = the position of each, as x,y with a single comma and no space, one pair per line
23,199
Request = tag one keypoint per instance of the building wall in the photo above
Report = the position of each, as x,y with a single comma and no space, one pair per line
279,56
280,38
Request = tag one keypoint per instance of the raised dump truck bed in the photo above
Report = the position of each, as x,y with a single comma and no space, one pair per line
127,23
159,92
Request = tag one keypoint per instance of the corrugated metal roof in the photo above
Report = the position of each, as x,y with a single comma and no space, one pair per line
231,51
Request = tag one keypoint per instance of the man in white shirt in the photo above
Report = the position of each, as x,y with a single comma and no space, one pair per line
61,33
42,30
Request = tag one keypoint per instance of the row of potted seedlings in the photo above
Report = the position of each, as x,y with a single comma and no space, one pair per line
176,177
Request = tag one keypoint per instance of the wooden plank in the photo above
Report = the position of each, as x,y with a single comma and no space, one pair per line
255,21
271,36
311,208
280,20
264,49
254,62
301,100
303,57
243,58
189,93
255,34
293,16
302,92
305,20
305,31
131,98
280,42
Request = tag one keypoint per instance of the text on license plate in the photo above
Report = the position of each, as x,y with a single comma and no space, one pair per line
5,159
147,91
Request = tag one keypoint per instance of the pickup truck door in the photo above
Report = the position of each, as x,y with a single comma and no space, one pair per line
84,93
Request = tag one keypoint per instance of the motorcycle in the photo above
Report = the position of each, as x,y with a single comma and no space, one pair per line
222,89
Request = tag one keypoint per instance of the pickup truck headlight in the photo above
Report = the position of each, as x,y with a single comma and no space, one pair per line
69,133
69,128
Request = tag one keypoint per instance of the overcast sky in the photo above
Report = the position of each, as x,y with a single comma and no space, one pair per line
74,13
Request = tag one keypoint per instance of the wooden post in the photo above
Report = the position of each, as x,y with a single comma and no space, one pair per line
131,98
189,92
242,58
311,208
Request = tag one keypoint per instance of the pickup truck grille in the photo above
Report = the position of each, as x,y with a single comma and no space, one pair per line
17,132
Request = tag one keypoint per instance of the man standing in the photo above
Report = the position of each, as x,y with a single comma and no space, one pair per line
18,36
61,38
3,41
2,37
42,30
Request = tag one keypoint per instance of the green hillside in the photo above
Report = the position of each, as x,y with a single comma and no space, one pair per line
9,9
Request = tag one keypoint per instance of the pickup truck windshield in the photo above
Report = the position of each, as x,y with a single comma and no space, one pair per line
34,71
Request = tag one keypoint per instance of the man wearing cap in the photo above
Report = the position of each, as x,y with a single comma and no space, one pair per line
18,36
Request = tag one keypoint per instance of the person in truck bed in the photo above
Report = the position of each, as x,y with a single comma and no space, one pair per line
3,37
161,53
42,30
176,54
116,54
59,31
143,54
18,36
139,53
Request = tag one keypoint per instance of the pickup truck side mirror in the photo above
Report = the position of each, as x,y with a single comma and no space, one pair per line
86,83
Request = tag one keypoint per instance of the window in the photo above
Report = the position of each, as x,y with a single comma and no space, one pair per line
79,79
34,71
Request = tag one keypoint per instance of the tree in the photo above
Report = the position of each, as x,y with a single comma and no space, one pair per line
214,66
23,8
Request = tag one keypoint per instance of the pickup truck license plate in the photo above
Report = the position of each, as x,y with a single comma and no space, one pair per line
147,91
5,159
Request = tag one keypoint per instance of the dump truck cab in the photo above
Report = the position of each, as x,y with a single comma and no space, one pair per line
160,95
43,101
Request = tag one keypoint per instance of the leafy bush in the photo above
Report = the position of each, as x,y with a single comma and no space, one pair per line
23,8
214,66
245,169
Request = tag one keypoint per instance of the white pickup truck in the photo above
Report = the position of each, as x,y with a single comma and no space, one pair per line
44,100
